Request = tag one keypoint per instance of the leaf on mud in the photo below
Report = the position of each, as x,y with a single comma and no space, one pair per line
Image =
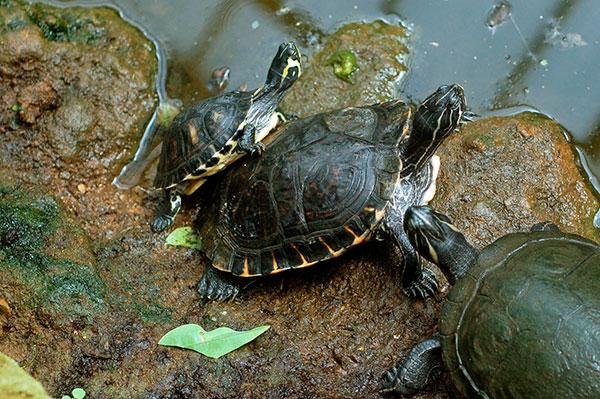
213,344
17,383
78,393
184,237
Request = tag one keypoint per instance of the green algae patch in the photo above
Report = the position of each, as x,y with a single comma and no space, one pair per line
61,286
65,25
17,383
379,48
25,222
344,64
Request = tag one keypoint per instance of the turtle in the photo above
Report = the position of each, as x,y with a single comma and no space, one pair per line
327,183
211,134
522,319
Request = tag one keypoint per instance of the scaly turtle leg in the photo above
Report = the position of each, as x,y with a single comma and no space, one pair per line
218,285
417,281
168,211
248,142
412,374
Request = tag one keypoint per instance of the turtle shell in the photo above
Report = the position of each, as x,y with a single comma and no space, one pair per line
196,136
525,321
321,187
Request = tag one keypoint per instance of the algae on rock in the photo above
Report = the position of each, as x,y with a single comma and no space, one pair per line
381,50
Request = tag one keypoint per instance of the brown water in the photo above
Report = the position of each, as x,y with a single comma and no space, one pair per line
544,55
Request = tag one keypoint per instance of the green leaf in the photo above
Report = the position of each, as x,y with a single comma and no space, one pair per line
214,344
184,237
17,383
66,397
78,393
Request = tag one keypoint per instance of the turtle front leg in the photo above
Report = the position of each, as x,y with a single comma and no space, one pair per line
248,142
417,281
412,374
168,211
218,285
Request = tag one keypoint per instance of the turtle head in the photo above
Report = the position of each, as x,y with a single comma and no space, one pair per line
436,117
435,238
286,67
441,113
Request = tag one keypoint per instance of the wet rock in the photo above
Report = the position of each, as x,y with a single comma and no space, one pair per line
382,54
92,289
501,175
81,77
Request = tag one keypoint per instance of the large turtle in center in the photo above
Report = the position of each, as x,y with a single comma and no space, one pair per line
325,184
521,321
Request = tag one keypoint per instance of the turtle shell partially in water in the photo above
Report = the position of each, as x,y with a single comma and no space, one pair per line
327,183
522,320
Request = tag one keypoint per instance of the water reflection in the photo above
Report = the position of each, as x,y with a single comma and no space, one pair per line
453,43
530,59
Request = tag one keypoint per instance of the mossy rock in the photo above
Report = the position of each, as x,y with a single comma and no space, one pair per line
52,278
382,53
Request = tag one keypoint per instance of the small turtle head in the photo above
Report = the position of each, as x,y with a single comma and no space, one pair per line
435,238
286,67
441,113
427,230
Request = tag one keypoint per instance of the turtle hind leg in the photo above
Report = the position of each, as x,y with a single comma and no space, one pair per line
218,285
412,374
168,211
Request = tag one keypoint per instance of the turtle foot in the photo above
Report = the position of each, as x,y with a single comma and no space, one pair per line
255,149
423,286
413,373
216,285
161,222
394,381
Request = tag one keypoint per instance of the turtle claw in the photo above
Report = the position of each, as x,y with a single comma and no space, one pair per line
423,286
214,285
161,222
394,381
257,149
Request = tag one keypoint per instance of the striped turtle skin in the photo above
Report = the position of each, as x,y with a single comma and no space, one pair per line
212,134
325,184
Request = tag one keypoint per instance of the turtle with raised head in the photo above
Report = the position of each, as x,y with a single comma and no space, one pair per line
213,133
521,321
327,183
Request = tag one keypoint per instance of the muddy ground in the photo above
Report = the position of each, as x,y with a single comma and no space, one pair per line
91,289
